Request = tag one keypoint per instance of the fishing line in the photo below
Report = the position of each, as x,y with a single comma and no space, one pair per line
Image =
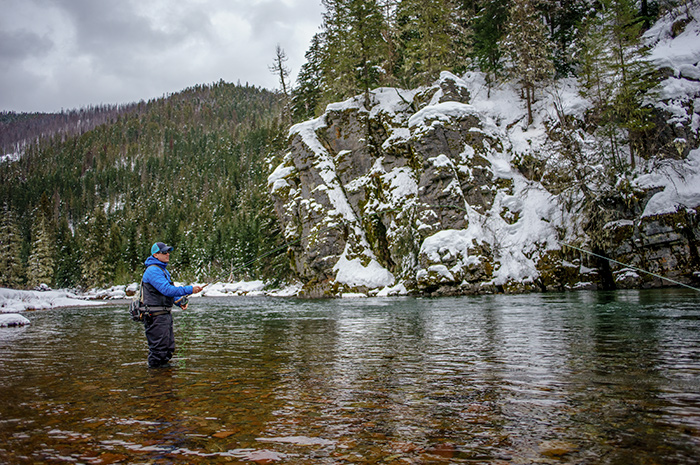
600,256
360,218
630,266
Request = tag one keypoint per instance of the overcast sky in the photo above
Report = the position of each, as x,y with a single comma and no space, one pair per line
65,54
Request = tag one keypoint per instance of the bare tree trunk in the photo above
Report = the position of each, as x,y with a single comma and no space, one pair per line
528,98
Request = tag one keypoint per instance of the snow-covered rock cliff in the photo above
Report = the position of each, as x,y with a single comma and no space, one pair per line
447,189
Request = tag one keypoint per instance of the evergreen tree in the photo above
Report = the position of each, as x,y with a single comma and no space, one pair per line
306,96
431,40
337,71
487,28
632,67
596,61
563,18
10,245
95,271
41,263
529,49
354,53
67,263
616,76
392,64
367,21
132,252
115,266
279,69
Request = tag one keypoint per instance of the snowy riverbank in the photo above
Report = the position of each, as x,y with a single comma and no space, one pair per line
12,301
17,301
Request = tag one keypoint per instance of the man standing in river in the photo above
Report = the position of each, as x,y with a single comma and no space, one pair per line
159,296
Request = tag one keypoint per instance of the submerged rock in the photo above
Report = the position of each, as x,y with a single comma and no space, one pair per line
556,448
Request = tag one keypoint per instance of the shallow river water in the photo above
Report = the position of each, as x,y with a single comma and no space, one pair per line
584,378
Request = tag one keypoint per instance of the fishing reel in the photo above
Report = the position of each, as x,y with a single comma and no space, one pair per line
182,302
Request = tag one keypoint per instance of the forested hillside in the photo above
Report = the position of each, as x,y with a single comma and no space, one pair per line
188,169
19,129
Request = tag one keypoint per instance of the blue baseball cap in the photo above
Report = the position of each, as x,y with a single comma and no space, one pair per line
159,247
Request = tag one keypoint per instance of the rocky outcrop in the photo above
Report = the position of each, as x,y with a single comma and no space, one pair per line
442,191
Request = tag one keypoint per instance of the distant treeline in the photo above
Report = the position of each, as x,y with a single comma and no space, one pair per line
20,129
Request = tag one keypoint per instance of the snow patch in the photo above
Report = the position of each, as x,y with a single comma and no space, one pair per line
442,112
353,273
238,288
18,301
12,319
679,191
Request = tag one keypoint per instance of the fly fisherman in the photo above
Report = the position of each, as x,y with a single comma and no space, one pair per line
159,295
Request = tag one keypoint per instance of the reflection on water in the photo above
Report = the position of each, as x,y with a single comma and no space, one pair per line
549,378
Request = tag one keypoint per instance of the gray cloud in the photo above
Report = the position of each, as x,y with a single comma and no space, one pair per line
15,45
70,53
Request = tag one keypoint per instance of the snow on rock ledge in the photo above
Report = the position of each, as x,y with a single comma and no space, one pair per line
413,187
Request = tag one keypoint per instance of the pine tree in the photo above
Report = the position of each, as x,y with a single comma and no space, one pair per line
633,69
529,49
390,37
596,61
306,96
563,18
371,49
115,268
431,40
616,76
132,252
279,69
487,28
10,245
94,247
41,263
67,264
338,73
354,52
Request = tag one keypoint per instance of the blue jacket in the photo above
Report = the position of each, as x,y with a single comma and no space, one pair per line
159,277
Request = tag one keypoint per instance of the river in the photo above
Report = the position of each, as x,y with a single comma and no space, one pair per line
585,378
